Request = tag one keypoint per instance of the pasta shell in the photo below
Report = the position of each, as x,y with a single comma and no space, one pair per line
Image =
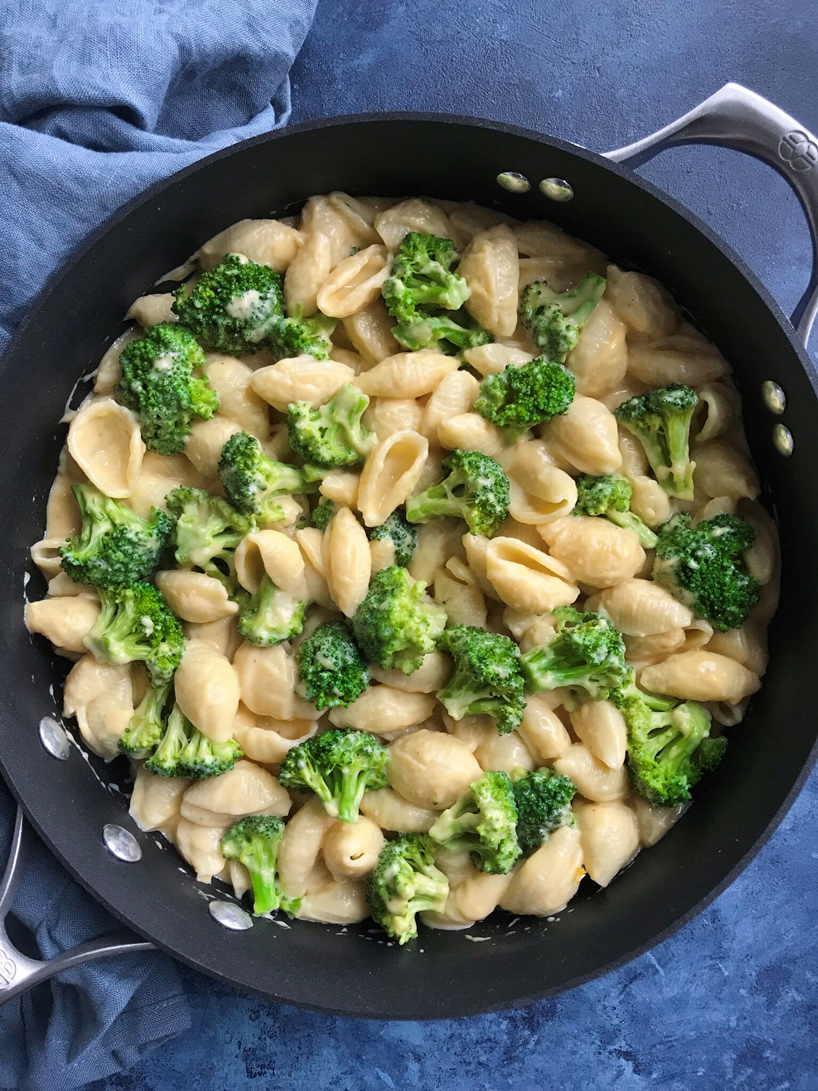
390,474
268,242
527,578
105,442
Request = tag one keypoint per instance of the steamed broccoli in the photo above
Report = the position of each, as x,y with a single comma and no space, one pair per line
165,384
270,615
402,535
483,822
486,679
660,420
136,625
609,496
475,489
322,513
333,434
587,655
251,480
441,332
543,800
115,545
331,669
669,745
147,725
339,766
208,530
405,882
703,567
554,319
297,336
254,841
235,307
397,623
521,397
183,751
422,277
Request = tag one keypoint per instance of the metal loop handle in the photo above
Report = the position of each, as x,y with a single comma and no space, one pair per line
736,117
18,972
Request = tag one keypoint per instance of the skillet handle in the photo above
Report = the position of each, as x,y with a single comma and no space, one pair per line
18,972
736,117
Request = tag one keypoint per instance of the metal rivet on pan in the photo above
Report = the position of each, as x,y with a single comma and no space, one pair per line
782,440
513,182
54,738
121,843
230,915
774,397
556,189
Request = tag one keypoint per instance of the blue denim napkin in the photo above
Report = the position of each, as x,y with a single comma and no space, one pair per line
97,100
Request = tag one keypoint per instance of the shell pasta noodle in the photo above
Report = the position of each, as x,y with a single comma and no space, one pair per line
414,558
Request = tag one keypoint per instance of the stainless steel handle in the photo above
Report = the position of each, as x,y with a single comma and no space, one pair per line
736,117
18,972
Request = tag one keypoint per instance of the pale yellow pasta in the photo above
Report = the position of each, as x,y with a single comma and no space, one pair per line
65,621
508,752
428,678
528,578
300,847
412,215
600,359
306,273
268,242
490,267
335,903
642,304
593,778
406,375
430,768
549,878
718,411
641,608
359,214
455,394
100,696
595,551
354,283
195,597
347,564
381,554
266,740
320,216
245,789
272,553
311,543
700,675
470,730
155,801
351,849
201,847
747,645
461,598
392,812
640,651
385,416
762,556
609,836
109,371
634,460
204,444
62,518
542,730
150,310
649,501
267,679
390,474
538,490
495,357
472,897
222,635
352,359
471,432
207,690
600,726
370,332
469,220
540,239
383,709
722,470
585,436
301,379
46,555
654,822
691,364
105,442
238,401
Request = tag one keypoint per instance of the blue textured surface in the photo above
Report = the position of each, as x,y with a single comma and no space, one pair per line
732,1000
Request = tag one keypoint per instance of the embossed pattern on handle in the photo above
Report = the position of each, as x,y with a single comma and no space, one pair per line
18,972
738,118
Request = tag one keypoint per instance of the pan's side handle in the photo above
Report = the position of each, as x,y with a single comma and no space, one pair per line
18,972
736,117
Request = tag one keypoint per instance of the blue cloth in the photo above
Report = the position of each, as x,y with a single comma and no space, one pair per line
98,100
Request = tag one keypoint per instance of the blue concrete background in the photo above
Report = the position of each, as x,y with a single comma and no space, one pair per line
731,1001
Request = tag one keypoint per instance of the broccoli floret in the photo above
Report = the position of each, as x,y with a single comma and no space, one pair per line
483,822
165,384
402,535
235,307
115,545
331,669
486,679
521,397
322,513
587,656
554,319
147,725
405,882
543,800
208,530
297,336
339,766
475,489
703,566
254,841
251,480
397,623
184,751
136,625
609,496
441,332
270,615
333,434
669,745
660,420
422,277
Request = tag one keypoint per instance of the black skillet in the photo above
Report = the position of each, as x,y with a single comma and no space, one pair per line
70,802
